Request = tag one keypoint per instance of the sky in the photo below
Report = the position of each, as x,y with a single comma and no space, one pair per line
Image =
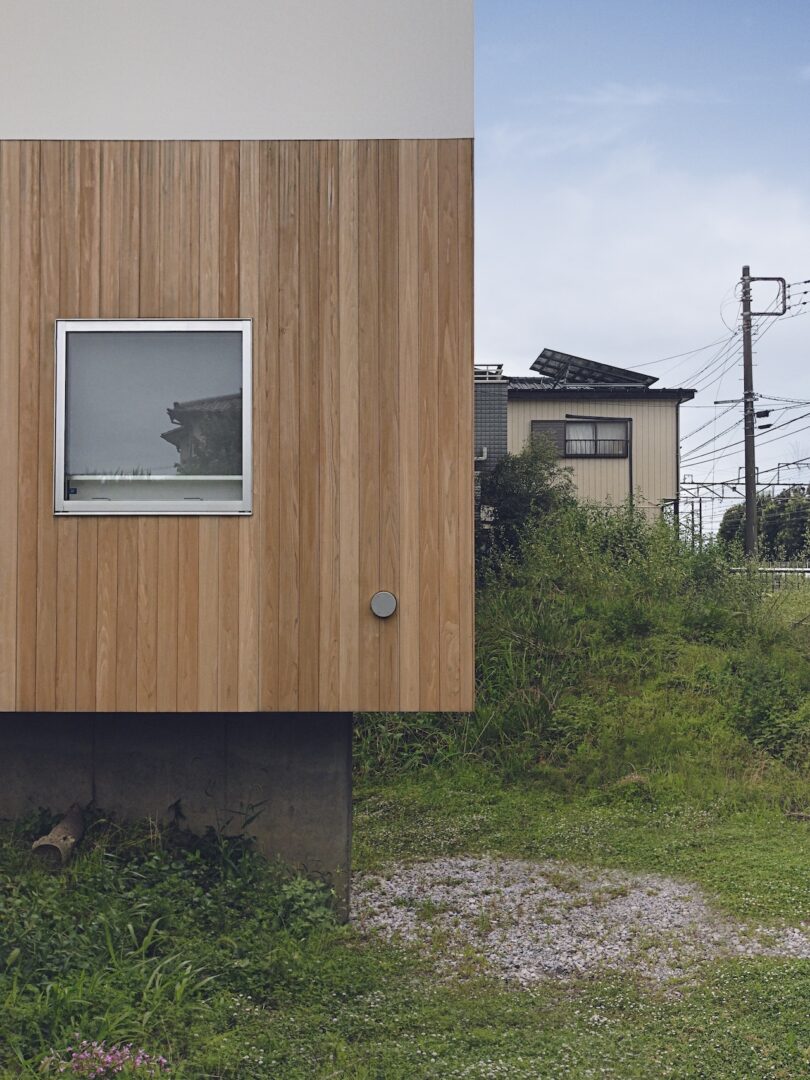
631,156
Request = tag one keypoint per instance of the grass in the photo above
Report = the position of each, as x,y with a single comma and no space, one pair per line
638,709
231,970
205,954
753,860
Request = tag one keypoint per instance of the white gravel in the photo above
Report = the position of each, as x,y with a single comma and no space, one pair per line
526,921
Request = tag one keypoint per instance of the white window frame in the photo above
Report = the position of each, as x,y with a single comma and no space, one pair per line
81,507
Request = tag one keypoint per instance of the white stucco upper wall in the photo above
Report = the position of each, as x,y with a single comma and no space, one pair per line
236,69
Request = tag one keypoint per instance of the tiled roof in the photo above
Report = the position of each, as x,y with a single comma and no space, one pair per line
221,403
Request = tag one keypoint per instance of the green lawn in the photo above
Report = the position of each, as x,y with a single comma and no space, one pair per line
229,971
755,860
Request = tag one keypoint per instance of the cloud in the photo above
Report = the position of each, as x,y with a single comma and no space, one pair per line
535,141
619,95
630,262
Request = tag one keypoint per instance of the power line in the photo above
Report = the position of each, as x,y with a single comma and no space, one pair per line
712,420
719,435
675,356
714,438
764,442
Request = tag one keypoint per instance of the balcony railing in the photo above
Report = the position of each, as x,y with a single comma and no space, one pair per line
596,448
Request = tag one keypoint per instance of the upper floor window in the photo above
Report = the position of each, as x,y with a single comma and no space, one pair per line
153,417
597,438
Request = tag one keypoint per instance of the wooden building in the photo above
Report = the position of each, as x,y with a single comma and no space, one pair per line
280,198
351,256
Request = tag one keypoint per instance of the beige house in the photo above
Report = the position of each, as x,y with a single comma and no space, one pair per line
616,433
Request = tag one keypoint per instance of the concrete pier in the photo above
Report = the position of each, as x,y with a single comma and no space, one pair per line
291,769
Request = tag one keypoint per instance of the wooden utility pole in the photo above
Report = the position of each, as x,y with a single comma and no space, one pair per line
748,420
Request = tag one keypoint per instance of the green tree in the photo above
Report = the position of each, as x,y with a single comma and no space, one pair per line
518,491
783,522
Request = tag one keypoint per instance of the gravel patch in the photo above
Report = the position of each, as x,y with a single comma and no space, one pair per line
526,921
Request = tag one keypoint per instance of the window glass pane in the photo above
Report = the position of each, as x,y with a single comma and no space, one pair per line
154,416
579,431
611,429
579,438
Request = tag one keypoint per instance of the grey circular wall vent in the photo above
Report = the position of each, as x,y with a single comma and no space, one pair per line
383,604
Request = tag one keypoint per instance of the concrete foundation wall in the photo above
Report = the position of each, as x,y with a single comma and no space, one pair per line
293,770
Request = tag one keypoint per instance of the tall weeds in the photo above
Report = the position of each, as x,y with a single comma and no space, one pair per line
602,638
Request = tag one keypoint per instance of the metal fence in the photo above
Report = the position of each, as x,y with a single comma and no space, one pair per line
781,577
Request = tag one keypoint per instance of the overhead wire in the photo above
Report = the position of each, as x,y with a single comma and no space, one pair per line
763,442
675,356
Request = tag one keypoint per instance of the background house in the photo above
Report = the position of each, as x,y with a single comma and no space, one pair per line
615,431
208,434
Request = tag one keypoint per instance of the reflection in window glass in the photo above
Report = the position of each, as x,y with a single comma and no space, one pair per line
153,417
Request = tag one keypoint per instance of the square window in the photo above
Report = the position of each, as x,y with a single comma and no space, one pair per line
153,416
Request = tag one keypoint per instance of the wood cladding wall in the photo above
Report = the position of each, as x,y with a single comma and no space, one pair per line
354,259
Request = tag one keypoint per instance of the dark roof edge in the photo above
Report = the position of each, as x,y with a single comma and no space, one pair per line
598,393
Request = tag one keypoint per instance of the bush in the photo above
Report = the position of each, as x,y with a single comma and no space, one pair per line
520,490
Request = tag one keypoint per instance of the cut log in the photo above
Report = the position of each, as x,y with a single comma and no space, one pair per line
55,849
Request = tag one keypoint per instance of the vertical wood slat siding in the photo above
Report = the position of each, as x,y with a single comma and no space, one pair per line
308,408
329,430
429,508
349,416
9,415
67,531
208,553
354,260
188,616
288,421
89,260
368,361
466,425
229,599
150,306
28,396
266,436
388,203
50,181
128,308
111,198
409,462
248,670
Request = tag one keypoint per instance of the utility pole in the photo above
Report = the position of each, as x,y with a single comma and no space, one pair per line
748,402
748,419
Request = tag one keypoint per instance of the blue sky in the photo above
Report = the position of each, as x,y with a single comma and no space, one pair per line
630,157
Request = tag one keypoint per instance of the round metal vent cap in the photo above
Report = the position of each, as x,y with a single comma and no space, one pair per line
383,604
